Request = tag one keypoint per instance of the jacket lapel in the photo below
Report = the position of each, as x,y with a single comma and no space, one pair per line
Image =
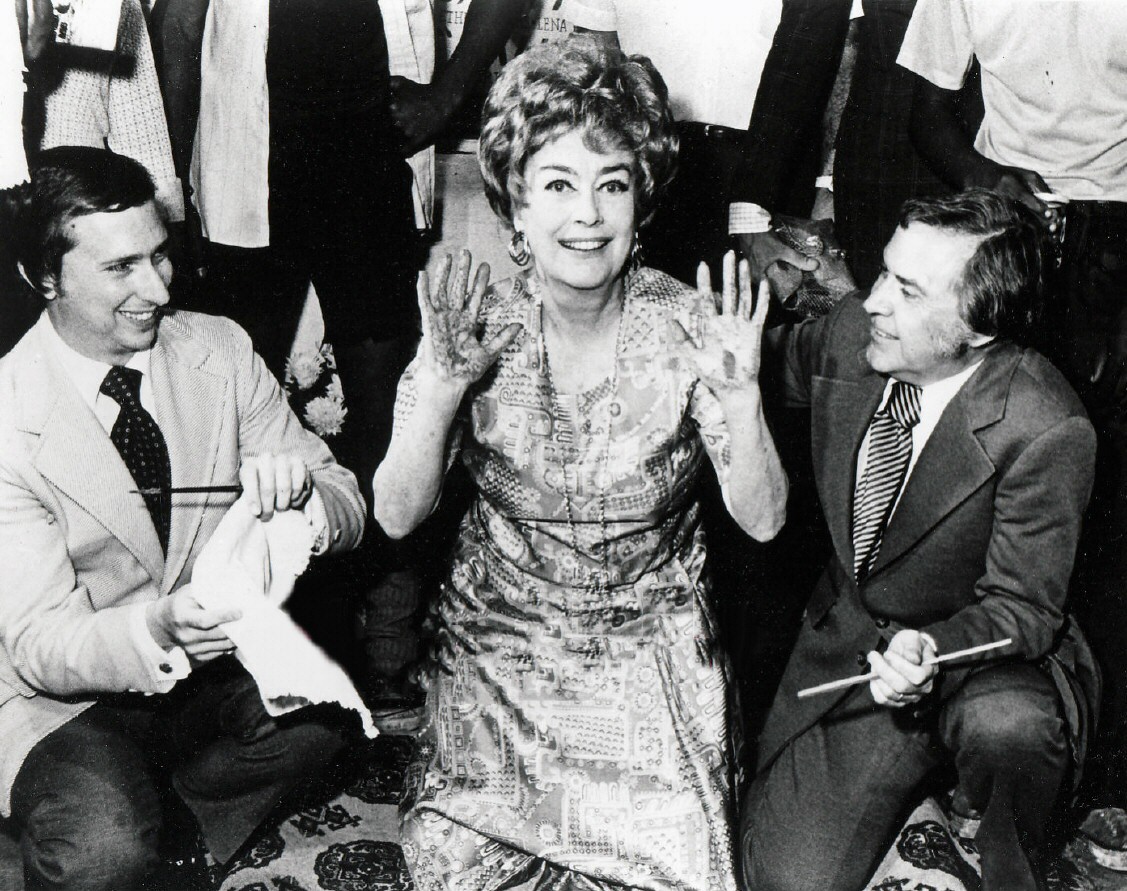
77,457
953,464
837,430
189,407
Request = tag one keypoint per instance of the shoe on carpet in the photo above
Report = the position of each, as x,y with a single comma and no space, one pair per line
397,705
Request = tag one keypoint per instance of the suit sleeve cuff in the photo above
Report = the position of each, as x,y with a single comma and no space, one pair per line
165,667
745,218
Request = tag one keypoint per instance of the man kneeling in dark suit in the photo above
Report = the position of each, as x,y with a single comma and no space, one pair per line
953,464
108,394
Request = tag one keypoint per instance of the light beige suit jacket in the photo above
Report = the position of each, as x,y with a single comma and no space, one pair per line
77,549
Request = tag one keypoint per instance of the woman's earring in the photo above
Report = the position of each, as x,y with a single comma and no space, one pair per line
637,256
518,248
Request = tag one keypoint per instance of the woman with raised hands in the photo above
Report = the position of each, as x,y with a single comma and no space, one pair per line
578,730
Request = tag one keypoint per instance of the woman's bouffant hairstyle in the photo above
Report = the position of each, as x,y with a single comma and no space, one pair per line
1002,288
618,102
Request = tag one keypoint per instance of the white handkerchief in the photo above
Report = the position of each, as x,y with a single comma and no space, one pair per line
252,565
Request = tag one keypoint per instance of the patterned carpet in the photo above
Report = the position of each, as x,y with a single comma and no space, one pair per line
350,844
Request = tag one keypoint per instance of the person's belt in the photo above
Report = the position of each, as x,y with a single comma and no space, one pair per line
712,131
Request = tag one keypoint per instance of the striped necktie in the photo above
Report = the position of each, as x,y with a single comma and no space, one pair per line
141,445
890,450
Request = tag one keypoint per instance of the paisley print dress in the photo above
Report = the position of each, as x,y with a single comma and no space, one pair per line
578,735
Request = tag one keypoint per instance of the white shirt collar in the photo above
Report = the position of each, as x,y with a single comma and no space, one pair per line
934,399
935,396
85,373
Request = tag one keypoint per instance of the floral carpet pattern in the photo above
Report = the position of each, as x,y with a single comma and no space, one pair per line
350,844
347,844
346,840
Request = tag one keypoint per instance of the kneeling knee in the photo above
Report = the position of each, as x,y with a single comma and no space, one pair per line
100,857
1012,734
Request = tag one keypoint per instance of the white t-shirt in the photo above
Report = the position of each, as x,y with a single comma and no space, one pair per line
709,52
1054,83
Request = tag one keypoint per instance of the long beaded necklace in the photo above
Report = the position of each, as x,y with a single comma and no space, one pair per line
602,583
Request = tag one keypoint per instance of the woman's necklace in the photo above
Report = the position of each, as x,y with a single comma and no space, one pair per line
602,583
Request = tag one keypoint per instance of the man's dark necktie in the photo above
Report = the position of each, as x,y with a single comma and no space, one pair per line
142,447
890,450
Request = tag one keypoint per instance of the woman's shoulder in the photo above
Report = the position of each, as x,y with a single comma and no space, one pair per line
661,294
505,301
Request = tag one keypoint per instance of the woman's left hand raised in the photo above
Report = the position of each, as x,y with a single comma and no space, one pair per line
731,337
453,347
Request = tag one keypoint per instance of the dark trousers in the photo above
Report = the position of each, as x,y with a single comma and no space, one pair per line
876,167
1088,324
826,810
341,216
691,224
87,801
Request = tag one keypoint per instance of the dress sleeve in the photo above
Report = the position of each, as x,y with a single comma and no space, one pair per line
938,45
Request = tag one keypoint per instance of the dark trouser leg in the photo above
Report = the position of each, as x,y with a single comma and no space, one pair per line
691,224
1010,745
822,815
264,290
824,812
86,808
365,259
1091,311
237,764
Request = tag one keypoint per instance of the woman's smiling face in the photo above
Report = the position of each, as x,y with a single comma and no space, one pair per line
578,213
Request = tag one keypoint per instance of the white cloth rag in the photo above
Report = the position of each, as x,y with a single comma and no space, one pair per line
252,565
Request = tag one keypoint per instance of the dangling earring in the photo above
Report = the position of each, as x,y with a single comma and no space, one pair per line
637,256
518,248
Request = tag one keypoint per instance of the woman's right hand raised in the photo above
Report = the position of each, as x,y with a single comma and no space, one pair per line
452,347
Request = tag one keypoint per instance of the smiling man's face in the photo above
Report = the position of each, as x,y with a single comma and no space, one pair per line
107,299
917,334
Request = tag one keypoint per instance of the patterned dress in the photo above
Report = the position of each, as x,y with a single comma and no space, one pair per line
582,737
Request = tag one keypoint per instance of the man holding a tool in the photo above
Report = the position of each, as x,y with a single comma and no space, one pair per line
110,408
953,464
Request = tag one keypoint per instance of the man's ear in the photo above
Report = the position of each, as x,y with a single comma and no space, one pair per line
46,289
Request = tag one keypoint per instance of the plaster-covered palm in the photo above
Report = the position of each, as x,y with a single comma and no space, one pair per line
452,345
727,357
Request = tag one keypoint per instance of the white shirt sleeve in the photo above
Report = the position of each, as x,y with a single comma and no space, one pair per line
166,667
938,44
594,15
745,218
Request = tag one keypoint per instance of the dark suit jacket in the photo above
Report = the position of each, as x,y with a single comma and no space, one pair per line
981,544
